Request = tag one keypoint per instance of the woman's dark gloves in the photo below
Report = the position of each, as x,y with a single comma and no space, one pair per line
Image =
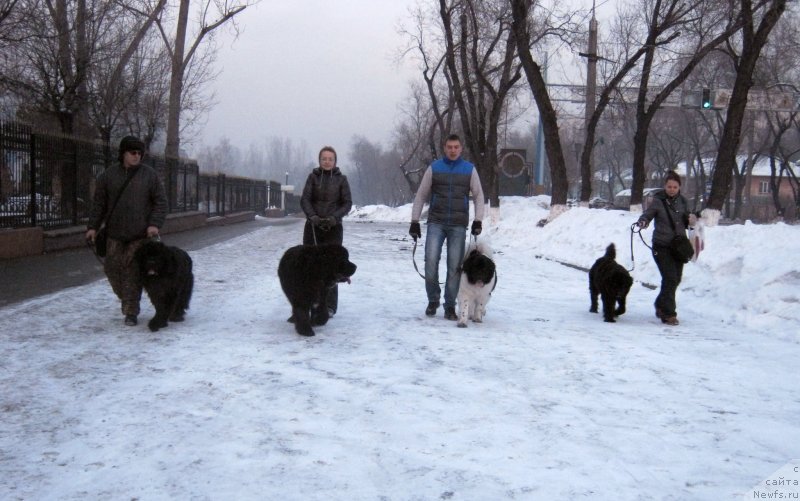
323,223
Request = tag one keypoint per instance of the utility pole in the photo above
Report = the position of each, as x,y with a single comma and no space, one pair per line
591,82
591,68
539,162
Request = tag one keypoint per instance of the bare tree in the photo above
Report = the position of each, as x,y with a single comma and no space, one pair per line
671,14
116,85
754,35
426,44
482,68
374,177
410,135
67,66
521,13
181,58
7,23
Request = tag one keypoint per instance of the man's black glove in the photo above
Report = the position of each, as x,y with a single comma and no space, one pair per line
415,231
477,226
315,220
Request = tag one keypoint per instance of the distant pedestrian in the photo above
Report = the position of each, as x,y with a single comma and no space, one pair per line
325,201
671,269
446,184
139,213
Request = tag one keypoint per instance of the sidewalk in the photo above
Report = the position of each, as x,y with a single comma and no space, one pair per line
29,277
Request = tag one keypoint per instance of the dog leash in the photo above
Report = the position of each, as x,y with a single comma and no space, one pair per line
413,260
635,228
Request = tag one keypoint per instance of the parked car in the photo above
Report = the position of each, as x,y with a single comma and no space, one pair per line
600,203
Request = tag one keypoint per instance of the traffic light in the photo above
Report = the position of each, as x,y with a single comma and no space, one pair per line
705,102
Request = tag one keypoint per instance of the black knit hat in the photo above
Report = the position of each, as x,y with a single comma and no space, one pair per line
130,143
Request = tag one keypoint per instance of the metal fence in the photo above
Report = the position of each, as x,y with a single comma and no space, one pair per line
48,180
45,179
221,194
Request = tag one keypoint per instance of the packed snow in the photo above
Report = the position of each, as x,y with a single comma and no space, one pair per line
543,400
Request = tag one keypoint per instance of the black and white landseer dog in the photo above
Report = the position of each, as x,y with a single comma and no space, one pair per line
306,272
478,280
612,282
166,274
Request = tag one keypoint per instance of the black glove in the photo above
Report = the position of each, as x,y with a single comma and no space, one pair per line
415,231
477,226
315,220
326,223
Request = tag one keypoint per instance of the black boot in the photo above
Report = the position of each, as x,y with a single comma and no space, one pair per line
431,309
450,313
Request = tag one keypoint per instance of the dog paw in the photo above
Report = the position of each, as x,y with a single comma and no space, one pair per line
462,324
593,309
609,320
154,325
319,320
304,331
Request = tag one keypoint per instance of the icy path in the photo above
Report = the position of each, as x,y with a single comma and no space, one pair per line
542,401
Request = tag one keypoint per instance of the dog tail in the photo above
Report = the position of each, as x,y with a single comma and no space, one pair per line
611,251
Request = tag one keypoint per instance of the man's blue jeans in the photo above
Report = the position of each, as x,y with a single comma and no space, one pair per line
434,240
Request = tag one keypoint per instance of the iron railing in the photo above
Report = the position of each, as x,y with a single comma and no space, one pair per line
48,180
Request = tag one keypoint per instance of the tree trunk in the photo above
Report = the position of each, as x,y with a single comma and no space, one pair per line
752,43
172,149
479,99
552,141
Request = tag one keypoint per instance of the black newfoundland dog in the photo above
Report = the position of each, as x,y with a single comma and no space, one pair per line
306,273
612,282
166,274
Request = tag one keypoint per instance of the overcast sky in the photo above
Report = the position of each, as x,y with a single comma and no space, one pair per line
314,70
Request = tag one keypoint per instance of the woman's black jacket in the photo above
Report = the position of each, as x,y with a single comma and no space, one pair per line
326,193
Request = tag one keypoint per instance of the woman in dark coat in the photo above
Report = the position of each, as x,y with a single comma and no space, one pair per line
325,201
671,269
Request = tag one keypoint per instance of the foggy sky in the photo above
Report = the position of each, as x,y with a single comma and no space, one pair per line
317,71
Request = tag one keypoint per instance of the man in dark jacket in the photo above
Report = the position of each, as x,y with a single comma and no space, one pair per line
447,184
325,201
139,213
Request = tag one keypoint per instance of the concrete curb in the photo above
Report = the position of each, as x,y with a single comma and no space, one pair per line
23,242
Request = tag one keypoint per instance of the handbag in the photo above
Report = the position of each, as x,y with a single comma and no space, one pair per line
101,242
101,237
680,246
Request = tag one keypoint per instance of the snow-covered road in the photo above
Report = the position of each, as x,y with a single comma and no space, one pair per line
541,401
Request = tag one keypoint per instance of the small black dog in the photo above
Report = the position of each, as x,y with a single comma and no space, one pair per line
612,282
306,273
166,274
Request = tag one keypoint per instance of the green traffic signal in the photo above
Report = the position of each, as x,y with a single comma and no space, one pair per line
706,102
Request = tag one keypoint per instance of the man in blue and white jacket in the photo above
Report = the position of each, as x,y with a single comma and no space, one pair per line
447,184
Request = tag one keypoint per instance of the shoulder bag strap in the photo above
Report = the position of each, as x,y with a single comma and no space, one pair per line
669,215
119,194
